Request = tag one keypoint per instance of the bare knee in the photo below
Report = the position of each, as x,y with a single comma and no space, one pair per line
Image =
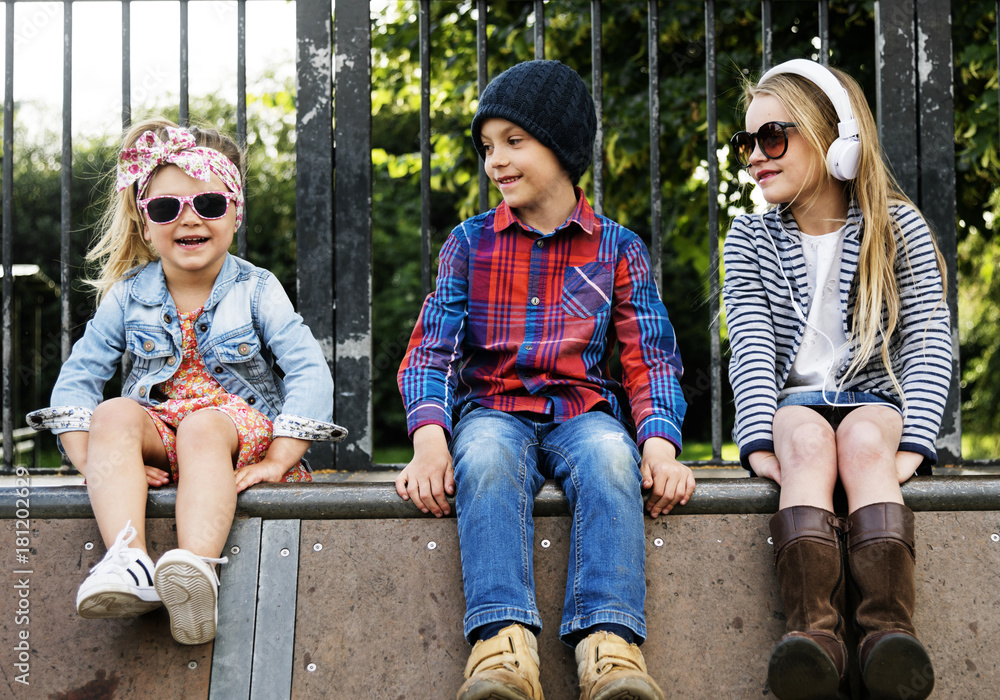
120,416
863,444
803,439
207,430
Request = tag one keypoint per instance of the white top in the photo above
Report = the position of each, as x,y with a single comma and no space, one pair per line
824,345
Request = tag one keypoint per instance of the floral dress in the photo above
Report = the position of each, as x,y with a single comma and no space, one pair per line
193,388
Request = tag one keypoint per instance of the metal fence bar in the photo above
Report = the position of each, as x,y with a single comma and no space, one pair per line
353,227
540,29
126,89
655,194
711,77
936,111
425,147
314,181
896,90
482,77
597,78
766,35
241,105
184,117
66,179
823,11
6,246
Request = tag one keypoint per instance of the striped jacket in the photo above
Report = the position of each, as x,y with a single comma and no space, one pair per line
765,330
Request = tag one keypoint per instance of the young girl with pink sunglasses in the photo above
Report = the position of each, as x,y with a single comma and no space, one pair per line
225,386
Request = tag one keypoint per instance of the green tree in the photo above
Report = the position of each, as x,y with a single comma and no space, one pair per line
978,171
684,159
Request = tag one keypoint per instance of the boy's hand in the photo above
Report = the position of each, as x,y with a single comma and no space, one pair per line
765,464
671,482
906,464
429,478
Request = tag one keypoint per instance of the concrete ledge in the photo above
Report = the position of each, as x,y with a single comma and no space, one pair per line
372,608
379,500
344,591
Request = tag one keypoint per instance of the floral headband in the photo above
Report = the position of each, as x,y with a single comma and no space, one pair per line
137,164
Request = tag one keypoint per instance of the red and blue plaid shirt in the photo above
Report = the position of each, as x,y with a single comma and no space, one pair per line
525,321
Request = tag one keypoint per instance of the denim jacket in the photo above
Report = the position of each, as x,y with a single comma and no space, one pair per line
249,335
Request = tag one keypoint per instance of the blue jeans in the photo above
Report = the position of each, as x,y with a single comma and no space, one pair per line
833,405
501,461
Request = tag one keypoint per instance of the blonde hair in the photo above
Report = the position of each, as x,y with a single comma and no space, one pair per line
121,248
873,191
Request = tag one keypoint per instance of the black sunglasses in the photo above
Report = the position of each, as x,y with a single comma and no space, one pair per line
771,137
207,205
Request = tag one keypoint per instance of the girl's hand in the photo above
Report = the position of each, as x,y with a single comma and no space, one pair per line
156,477
75,443
282,455
765,464
671,482
906,464
429,478
267,469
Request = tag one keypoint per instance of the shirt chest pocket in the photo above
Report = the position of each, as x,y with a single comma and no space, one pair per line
148,349
587,290
242,353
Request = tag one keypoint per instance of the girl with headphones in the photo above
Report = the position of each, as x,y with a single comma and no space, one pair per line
841,363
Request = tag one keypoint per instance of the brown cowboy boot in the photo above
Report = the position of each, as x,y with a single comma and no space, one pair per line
809,661
880,560
504,667
612,669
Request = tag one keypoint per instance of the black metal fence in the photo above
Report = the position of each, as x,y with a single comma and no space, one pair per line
334,221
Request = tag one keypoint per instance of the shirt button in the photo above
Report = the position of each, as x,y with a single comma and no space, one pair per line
243,349
535,301
203,327
148,346
171,361
142,392
166,318
218,370
251,400
540,244
527,347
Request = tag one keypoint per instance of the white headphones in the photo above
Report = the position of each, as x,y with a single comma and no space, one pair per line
843,154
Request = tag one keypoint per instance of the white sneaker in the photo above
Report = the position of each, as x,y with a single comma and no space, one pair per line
121,584
189,587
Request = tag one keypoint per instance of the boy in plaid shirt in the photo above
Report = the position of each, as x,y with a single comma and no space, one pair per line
515,343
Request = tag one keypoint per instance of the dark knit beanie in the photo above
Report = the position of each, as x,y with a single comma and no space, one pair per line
549,101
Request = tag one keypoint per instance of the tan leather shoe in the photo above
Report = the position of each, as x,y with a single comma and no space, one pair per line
503,668
612,669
